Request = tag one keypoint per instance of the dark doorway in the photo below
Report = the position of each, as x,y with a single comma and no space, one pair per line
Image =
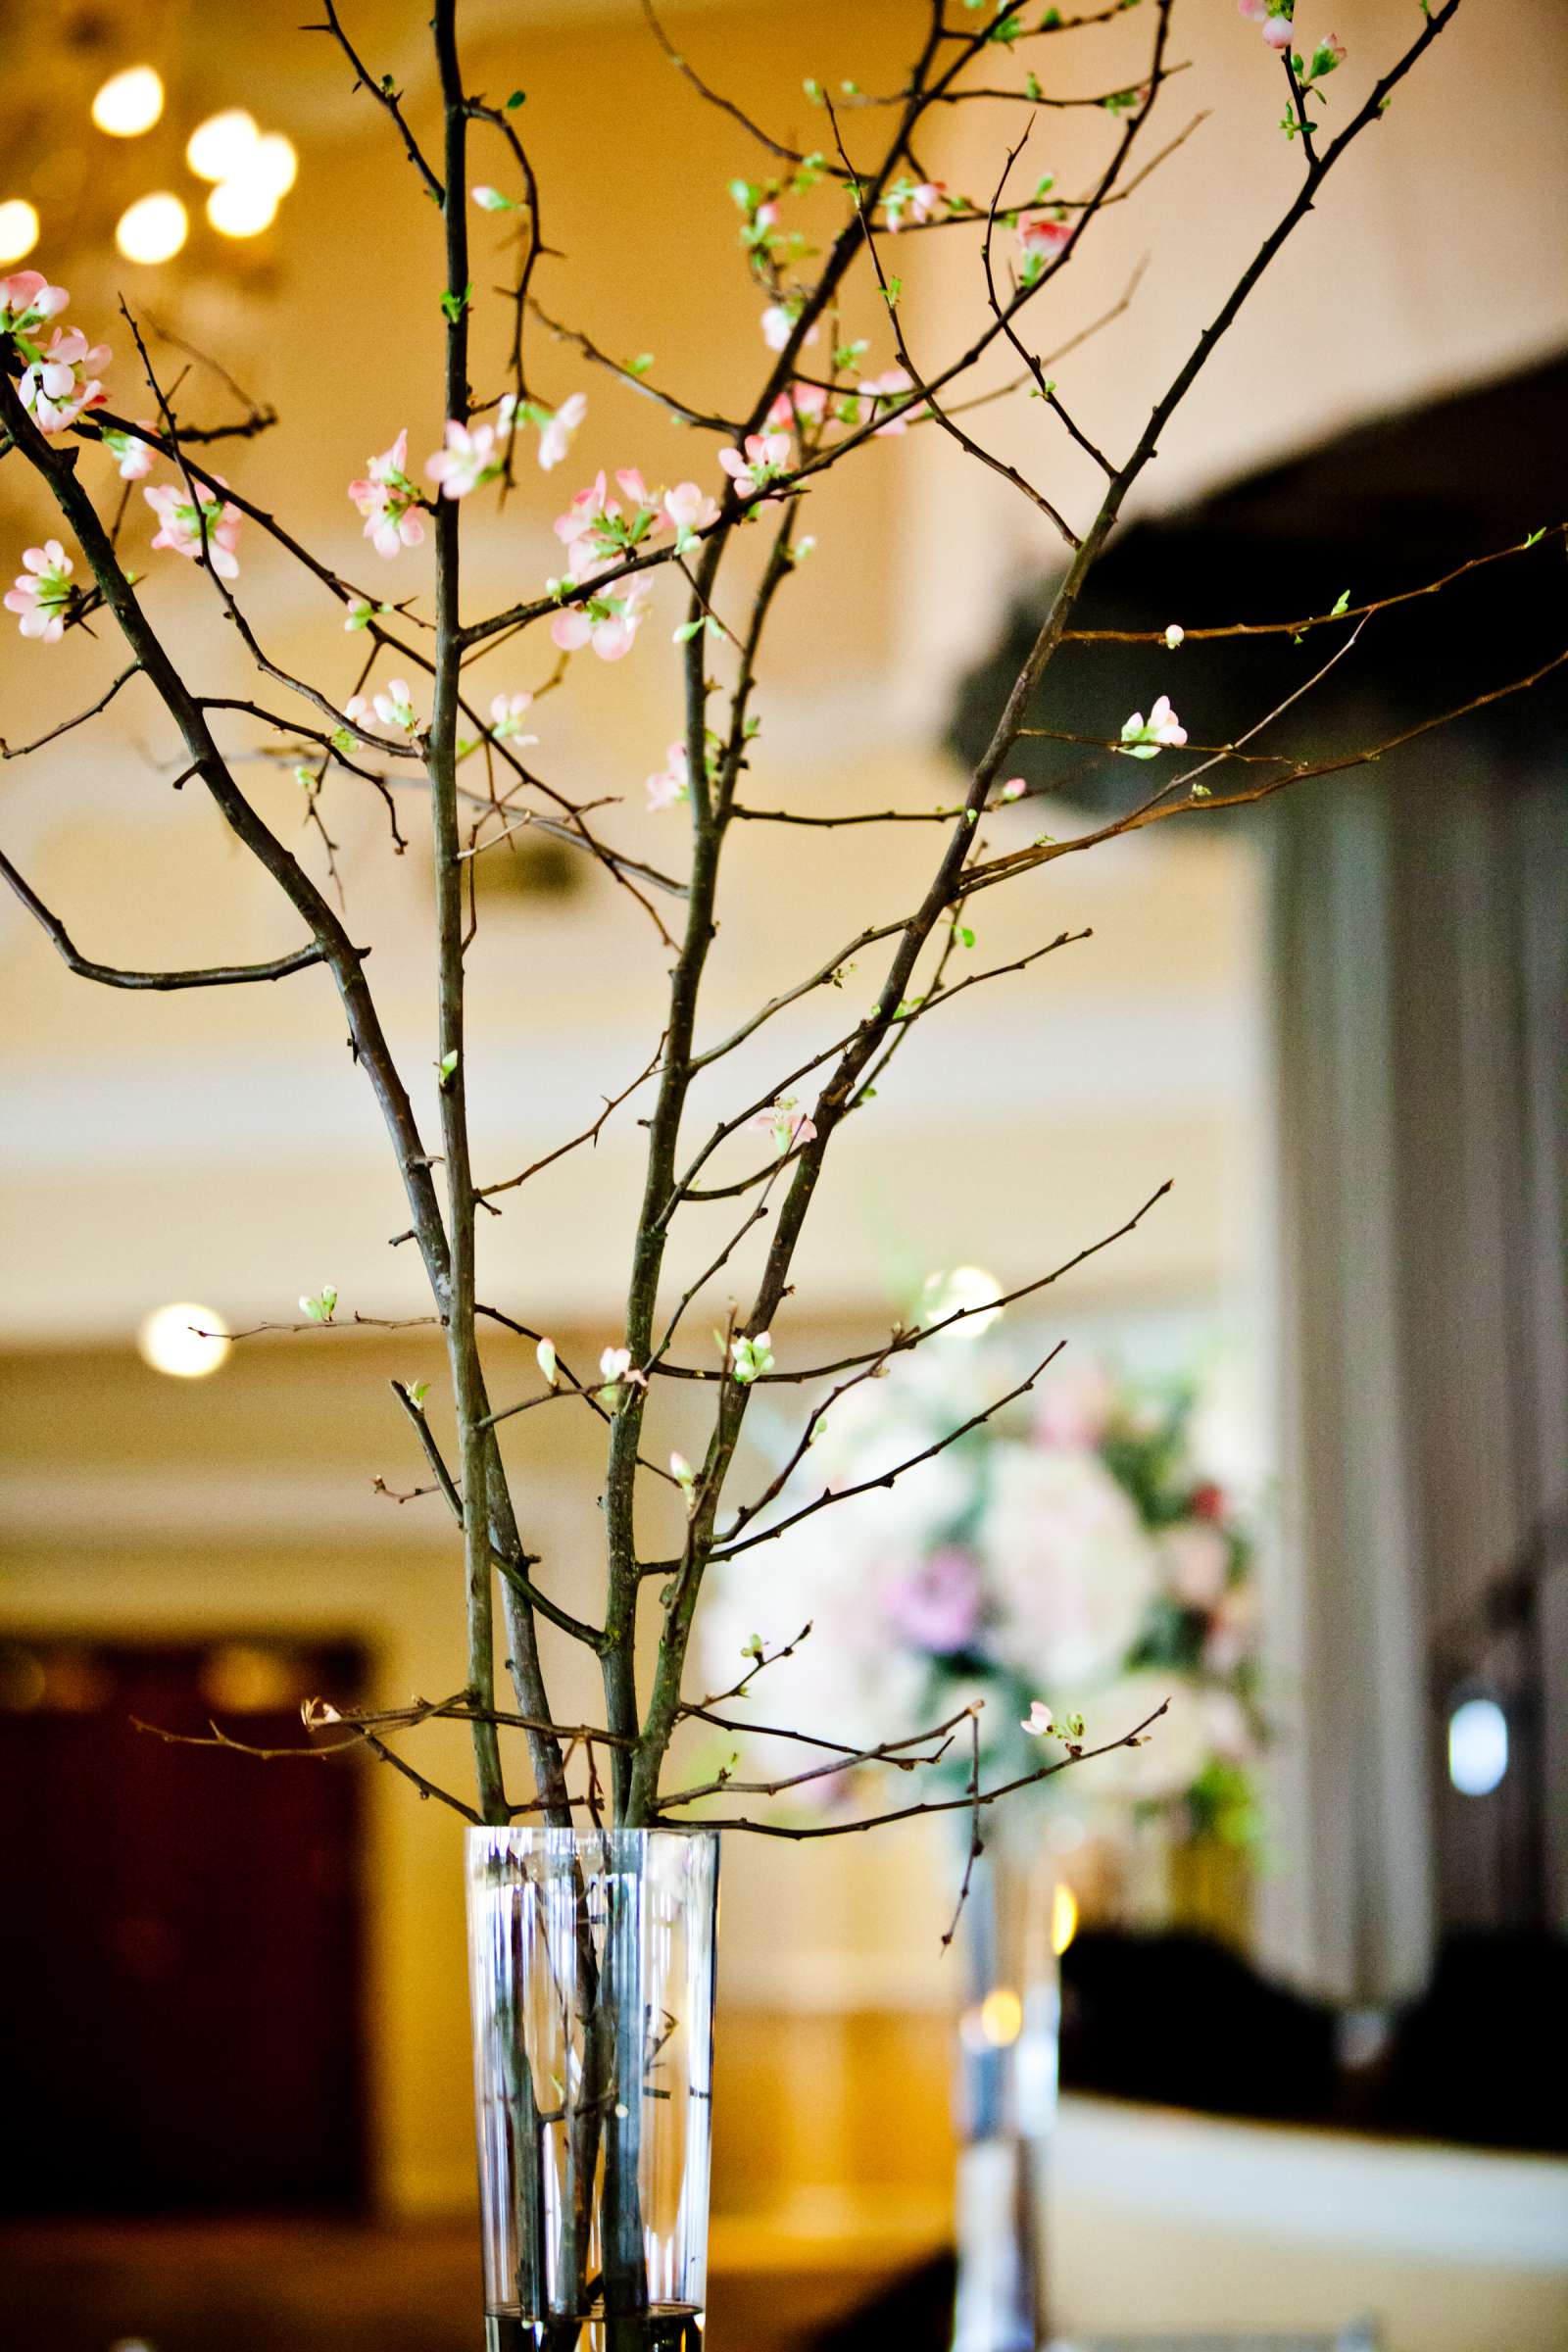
181,1933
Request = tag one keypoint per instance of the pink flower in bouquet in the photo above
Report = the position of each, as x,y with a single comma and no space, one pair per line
936,1607
1197,1562
42,592
1233,1630
1075,1406
58,385
192,529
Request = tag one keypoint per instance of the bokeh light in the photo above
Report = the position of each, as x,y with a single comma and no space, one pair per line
184,1340
19,228
223,144
129,103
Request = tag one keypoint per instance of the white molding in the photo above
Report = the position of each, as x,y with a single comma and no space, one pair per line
1141,1057
1397,2198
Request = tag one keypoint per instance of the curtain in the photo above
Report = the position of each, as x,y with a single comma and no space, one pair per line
1418,1018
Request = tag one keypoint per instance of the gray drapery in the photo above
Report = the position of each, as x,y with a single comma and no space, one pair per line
1419,1018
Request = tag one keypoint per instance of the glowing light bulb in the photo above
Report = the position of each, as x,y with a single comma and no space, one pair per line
1001,2018
274,161
129,103
1478,1746
1063,1918
242,207
153,228
223,144
969,1288
185,1341
19,228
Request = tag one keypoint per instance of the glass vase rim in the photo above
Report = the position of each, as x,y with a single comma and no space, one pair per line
525,1832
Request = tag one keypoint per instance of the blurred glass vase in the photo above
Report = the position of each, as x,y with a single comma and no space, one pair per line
1008,2032
592,1960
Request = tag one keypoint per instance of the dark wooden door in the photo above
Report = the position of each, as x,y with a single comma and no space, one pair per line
180,1934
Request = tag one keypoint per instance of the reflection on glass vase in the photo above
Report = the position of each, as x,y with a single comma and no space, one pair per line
1013,1927
591,1960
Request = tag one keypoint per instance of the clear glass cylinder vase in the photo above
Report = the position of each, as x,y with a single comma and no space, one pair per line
1008,2035
592,1958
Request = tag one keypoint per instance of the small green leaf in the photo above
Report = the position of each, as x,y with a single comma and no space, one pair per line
515,100
1343,605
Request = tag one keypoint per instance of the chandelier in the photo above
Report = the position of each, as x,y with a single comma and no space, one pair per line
105,146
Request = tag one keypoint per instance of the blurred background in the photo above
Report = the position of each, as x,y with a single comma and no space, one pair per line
1309,2074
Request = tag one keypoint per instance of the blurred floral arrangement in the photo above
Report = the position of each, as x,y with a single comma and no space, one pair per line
1078,1543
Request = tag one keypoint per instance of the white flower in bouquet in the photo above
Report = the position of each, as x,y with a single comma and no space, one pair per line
850,1680
1173,1752
1069,1568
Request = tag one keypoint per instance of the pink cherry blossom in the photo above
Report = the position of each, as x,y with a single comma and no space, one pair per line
918,203
598,532
211,528
886,388
28,300
688,508
606,623
798,404
778,325
507,711
389,500
1040,1722
785,1124
42,592
763,457
1276,23
1144,740
936,1608
473,454
59,383
393,707
1041,237
556,433
673,781
132,458
1013,789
